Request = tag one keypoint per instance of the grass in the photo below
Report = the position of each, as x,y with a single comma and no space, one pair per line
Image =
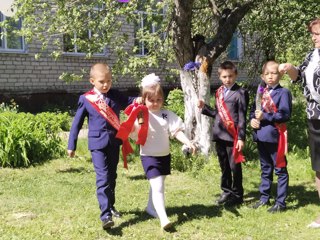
57,201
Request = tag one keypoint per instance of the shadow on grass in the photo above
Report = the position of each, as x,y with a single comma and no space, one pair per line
297,194
185,214
72,170
138,177
303,197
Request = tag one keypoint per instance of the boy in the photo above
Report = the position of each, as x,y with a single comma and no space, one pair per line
101,106
268,122
229,132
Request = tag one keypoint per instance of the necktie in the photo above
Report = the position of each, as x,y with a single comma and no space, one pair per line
226,90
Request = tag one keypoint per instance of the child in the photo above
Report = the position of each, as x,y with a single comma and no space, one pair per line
101,106
229,132
155,153
268,122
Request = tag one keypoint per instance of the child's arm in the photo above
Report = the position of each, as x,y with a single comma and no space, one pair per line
76,126
206,109
183,139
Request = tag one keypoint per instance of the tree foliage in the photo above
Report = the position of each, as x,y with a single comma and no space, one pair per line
185,31
184,28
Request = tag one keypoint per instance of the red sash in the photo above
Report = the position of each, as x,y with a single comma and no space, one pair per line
132,112
269,106
107,113
228,124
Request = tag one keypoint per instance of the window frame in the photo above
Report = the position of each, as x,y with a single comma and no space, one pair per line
76,53
238,47
141,48
4,41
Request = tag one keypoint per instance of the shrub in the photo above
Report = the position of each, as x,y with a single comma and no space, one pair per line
26,139
183,163
175,102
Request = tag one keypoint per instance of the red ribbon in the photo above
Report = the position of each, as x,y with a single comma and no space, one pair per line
228,124
125,129
269,106
107,113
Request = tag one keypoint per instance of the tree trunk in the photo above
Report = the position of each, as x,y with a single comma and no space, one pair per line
195,86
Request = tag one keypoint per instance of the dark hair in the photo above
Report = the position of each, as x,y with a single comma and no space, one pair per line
228,65
312,23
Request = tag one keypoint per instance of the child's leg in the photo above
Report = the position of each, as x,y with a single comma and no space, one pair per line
266,163
282,187
150,207
157,186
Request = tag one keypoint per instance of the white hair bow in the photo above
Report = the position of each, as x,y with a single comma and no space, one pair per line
150,80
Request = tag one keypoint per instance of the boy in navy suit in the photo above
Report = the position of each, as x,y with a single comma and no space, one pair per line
268,121
101,106
229,132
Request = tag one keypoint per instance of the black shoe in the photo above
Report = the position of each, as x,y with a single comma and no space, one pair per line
260,203
276,208
223,198
115,213
107,223
232,201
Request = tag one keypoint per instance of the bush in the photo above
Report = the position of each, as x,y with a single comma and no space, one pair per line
26,139
183,163
175,102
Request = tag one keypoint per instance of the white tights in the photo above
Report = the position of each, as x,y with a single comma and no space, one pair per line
156,206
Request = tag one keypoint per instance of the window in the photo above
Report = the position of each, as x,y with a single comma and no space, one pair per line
235,47
144,26
80,42
10,40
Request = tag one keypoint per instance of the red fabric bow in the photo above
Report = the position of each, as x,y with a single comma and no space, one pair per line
125,129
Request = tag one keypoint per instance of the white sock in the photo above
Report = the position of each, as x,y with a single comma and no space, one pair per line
157,186
150,208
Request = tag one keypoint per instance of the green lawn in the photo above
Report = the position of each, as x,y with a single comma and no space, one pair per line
57,201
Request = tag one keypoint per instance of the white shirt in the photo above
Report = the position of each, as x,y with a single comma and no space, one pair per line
163,125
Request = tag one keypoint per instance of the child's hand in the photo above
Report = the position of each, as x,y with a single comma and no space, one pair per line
258,114
139,100
71,153
200,103
255,123
240,145
193,148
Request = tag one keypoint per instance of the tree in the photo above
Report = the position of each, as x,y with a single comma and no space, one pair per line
188,31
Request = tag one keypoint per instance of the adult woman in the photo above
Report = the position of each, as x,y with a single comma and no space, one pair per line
308,74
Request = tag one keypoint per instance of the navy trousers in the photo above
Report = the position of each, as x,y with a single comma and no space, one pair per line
105,162
268,154
231,173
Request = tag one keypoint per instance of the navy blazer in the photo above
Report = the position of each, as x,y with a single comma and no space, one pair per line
236,101
267,132
101,133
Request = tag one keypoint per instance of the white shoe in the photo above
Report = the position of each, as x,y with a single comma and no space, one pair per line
314,225
152,213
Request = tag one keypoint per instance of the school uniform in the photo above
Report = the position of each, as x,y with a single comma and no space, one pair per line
267,138
103,145
236,100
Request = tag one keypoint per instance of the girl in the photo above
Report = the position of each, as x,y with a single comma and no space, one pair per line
155,153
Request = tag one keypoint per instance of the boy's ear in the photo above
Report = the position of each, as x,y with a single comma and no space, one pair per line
91,81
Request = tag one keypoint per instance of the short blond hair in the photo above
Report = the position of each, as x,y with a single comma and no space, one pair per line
102,67
269,62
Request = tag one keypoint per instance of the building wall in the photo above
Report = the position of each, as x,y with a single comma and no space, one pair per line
33,83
